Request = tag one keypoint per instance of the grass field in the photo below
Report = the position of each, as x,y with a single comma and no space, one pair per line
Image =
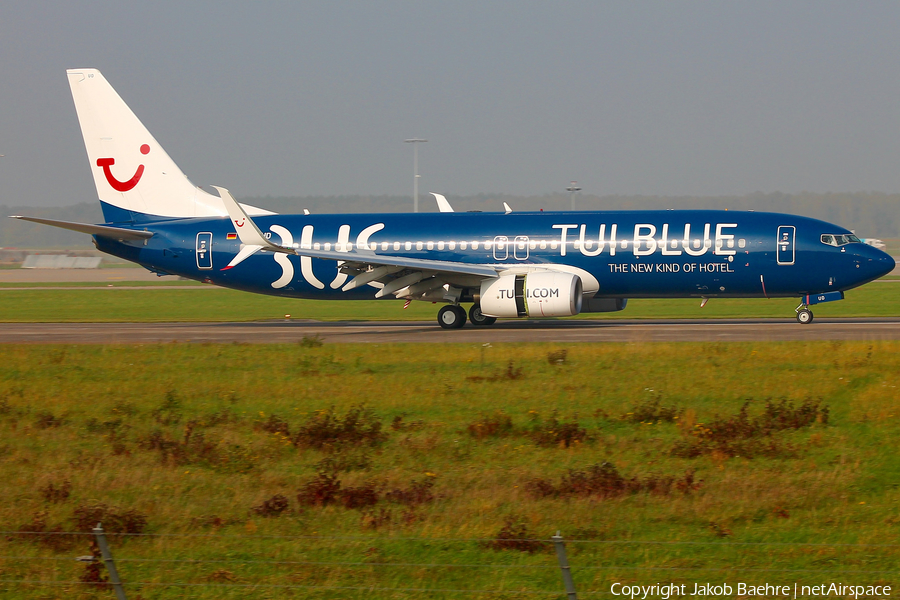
749,462
215,304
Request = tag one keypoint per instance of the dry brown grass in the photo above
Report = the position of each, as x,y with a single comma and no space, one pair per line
396,442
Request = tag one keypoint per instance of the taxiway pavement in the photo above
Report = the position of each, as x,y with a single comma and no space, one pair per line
282,331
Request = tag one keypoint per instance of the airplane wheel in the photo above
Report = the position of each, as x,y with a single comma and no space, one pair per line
451,317
804,316
478,319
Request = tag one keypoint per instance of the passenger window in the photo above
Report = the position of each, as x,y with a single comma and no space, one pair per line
742,242
452,245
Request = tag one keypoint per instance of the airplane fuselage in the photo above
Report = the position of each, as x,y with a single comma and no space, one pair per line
617,254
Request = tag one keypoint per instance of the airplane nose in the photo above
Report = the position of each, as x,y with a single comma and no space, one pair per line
877,263
886,264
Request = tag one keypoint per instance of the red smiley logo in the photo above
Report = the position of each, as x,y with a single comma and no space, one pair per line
122,186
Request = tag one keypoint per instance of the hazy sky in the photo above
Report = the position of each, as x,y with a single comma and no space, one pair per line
520,97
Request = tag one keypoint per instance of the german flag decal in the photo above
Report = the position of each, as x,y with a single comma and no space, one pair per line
231,236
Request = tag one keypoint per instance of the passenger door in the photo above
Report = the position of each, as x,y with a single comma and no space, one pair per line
204,250
785,252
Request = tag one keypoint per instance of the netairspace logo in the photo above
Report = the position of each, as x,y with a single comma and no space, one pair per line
765,590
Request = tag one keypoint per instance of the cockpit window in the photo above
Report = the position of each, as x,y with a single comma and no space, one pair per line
839,239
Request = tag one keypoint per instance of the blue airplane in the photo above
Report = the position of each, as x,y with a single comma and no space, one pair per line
505,265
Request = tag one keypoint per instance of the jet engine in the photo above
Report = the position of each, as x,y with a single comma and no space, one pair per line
538,294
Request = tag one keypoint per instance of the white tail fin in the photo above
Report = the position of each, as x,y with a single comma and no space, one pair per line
131,170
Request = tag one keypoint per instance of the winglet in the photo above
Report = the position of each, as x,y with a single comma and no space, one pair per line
442,203
506,208
246,229
252,239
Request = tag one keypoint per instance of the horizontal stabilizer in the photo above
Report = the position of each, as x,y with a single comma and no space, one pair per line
116,233
245,253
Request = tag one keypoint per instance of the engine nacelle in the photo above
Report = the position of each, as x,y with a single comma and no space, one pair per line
538,294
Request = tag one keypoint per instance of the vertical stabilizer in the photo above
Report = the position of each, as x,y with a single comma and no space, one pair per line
135,178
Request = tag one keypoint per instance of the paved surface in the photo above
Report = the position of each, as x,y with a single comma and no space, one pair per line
426,332
429,332
79,275
75,288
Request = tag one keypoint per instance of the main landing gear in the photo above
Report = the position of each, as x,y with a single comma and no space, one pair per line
479,319
804,315
453,316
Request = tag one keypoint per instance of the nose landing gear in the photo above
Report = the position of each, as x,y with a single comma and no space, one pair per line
804,315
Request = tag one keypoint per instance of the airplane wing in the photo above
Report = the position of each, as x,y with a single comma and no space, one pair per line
116,233
399,275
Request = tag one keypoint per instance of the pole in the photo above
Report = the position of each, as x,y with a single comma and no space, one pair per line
415,178
564,566
415,142
109,562
572,189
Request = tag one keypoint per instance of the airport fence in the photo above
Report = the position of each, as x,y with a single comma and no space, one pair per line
544,577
